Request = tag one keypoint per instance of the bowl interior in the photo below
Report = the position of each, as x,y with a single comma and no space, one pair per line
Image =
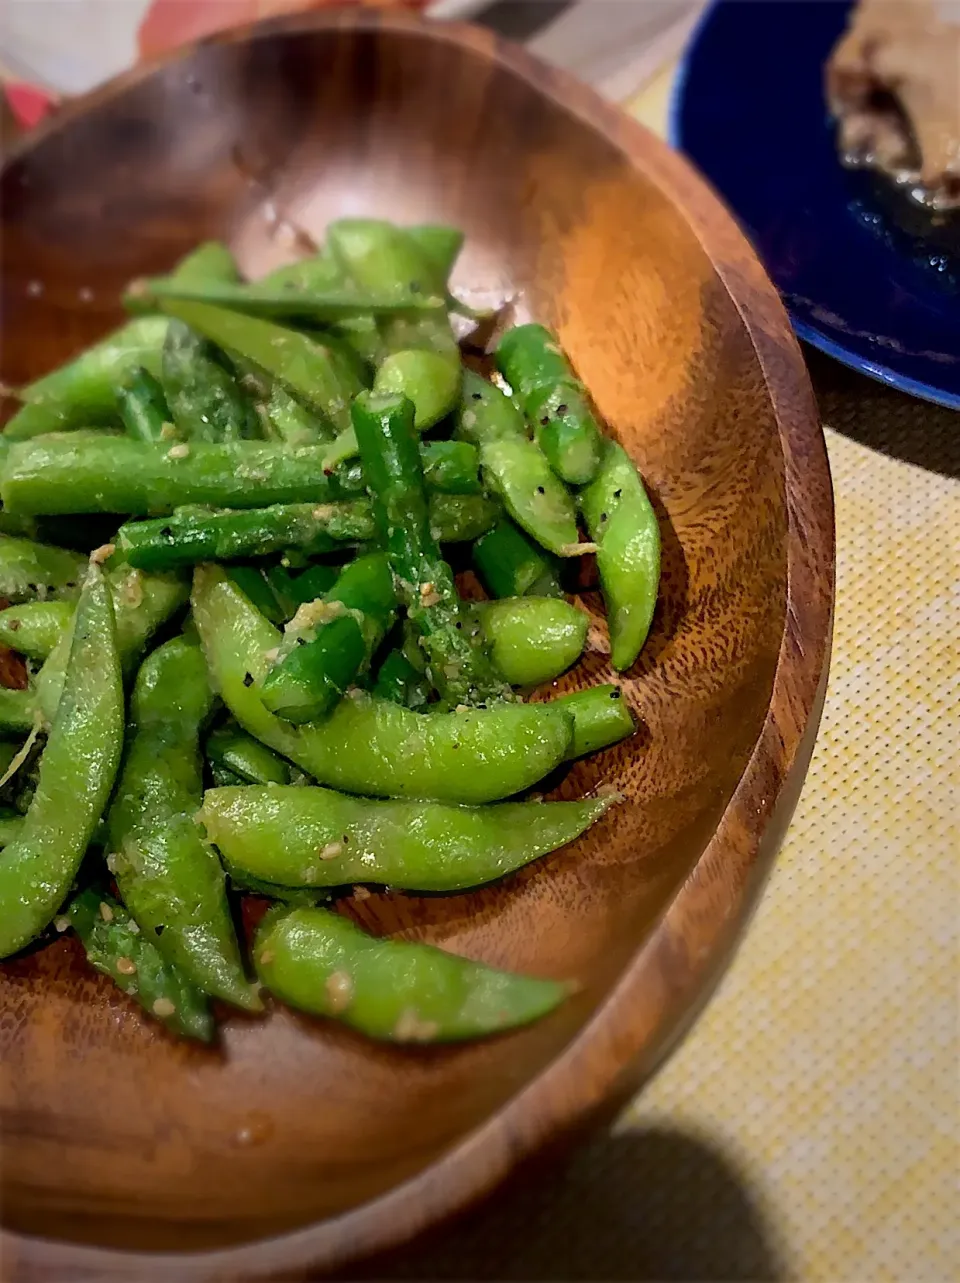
113,1133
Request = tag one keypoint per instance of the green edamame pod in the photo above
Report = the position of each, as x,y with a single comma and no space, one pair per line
84,390
292,422
424,361
141,604
600,718
63,475
246,758
142,406
77,771
511,566
553,400
440,245
307,836
532,639
168,876
393,990
35,627
116,947
210,262
11,827
316,272
516,468
313,372
429,380
306,302
401,683
371,746
205,400
459,671
451,467
18,711
456,518
29,569
623,524
328,642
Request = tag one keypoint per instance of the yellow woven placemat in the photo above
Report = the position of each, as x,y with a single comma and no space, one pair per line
809,1127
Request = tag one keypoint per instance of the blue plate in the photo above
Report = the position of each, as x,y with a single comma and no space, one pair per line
749,111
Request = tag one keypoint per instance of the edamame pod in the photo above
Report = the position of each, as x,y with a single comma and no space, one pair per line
211,261
141,604
168,876
77,771
394,990
308,836
516,468
600,718
553,400
84,390
30,569
371,746
309,302
623,524
35,627
117,947
532,639
329,642
11,827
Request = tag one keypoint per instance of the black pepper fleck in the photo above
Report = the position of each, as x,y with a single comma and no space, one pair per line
562,408
248,679
540,490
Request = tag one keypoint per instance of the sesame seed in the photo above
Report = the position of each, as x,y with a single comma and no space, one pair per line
267,957
339,991
62,923
272,655
361,893
106,913
181,451
163,1007
168,432
331,850
468,418
111,861
126,966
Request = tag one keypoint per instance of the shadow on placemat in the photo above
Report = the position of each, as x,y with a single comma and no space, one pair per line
888,421
651,1204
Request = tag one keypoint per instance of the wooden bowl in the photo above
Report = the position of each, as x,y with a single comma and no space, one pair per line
296,1143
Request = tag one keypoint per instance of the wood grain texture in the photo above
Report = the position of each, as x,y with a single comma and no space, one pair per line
294,1144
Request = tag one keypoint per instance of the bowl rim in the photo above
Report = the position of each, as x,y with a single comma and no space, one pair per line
669,978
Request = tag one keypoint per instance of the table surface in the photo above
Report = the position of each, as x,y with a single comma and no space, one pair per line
809,1127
